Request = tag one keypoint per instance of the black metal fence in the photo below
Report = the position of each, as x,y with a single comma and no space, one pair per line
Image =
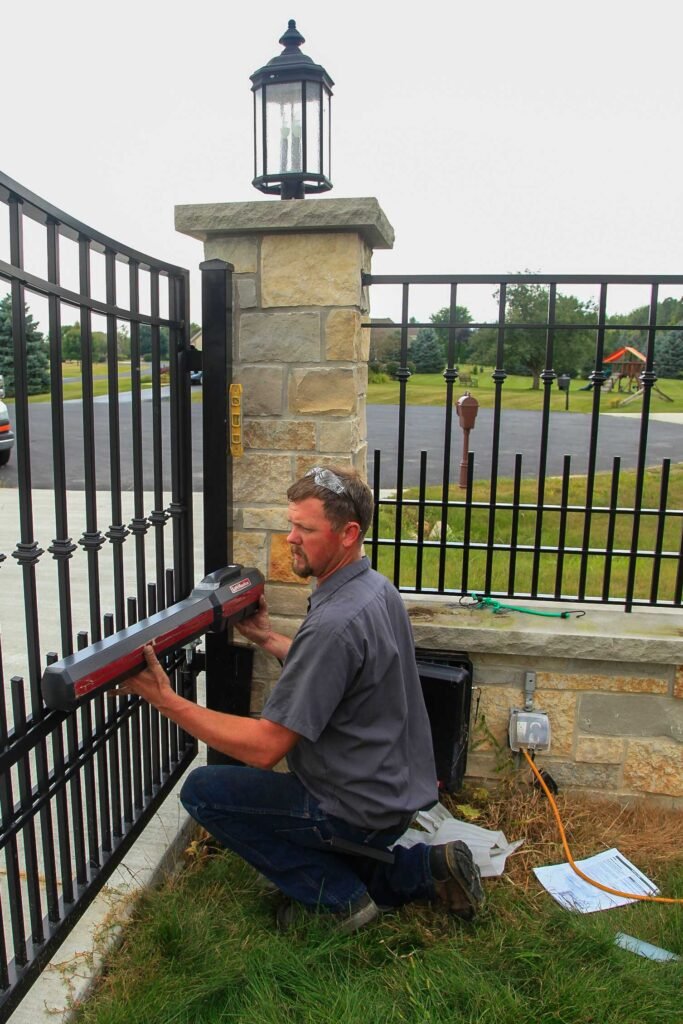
108,450
544,505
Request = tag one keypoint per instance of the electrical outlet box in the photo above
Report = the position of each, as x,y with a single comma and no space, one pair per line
529,729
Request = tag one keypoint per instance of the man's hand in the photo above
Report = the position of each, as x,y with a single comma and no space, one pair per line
152,683
257,627
258,630
257,742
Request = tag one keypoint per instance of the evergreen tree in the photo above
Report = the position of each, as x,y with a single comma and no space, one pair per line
427,352
37,359
669,354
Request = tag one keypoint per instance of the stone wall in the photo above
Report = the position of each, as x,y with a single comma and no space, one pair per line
611,683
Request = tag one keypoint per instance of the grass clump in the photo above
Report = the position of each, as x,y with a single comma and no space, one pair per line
204,949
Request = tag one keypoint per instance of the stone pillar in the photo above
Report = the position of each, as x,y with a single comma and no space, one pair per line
301,357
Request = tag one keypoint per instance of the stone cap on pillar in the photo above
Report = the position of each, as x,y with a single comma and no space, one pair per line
363,216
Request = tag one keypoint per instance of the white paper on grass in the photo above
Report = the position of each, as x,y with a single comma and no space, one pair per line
645,949
610,868
489,849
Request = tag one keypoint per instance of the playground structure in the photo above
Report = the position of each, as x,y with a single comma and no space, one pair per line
626,364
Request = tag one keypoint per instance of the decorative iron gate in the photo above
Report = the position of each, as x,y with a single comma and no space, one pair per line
107,461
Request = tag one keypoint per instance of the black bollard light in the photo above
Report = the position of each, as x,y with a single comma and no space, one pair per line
563,382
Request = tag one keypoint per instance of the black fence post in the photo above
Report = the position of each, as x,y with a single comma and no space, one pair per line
228,667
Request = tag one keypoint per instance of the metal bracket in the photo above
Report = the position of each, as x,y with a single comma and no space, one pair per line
235,413
194,361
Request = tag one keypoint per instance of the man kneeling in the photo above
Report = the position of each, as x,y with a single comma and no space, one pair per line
348,714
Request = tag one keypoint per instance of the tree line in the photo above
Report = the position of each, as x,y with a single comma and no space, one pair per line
525,346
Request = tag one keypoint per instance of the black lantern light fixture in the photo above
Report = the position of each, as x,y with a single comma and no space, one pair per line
292,99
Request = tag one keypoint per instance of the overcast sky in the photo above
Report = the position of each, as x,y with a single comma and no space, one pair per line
496,136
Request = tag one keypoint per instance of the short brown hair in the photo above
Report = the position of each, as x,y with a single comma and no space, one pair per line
345,496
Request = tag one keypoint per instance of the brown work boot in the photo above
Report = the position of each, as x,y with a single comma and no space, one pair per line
457,882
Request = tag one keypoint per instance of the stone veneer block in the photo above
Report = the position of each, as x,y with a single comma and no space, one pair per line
284,435
250,549
601,778
256,478
678,683
319,390
264,519
494,715
246,291
343,335
654,766
630,714
279,337
310,270
600,683
339,436
359,215
280,564
305,462
364,344
599,750
284,599
561,710
360,461
263,389
241,252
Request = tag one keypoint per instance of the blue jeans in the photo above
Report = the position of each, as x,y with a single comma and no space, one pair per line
277,826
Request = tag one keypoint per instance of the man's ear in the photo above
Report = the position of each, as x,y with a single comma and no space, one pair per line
350,534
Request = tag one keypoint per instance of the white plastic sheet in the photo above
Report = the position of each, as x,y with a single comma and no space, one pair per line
489,848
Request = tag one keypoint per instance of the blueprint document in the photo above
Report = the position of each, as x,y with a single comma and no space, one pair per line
610,868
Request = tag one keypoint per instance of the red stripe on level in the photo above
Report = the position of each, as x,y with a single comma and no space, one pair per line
135,660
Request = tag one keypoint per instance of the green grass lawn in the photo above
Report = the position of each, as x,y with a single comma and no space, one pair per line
425,389
574,525
203,949
430,389
73,387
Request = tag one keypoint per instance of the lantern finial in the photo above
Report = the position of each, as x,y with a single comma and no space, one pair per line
292,38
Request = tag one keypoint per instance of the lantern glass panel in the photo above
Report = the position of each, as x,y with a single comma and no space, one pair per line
313,127
283,120
258,132
325,122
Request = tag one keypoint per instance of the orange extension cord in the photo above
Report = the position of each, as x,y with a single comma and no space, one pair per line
579,872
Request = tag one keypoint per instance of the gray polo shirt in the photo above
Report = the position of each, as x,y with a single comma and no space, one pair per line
350,687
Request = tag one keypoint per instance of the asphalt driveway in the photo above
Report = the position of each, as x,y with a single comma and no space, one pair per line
425,425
